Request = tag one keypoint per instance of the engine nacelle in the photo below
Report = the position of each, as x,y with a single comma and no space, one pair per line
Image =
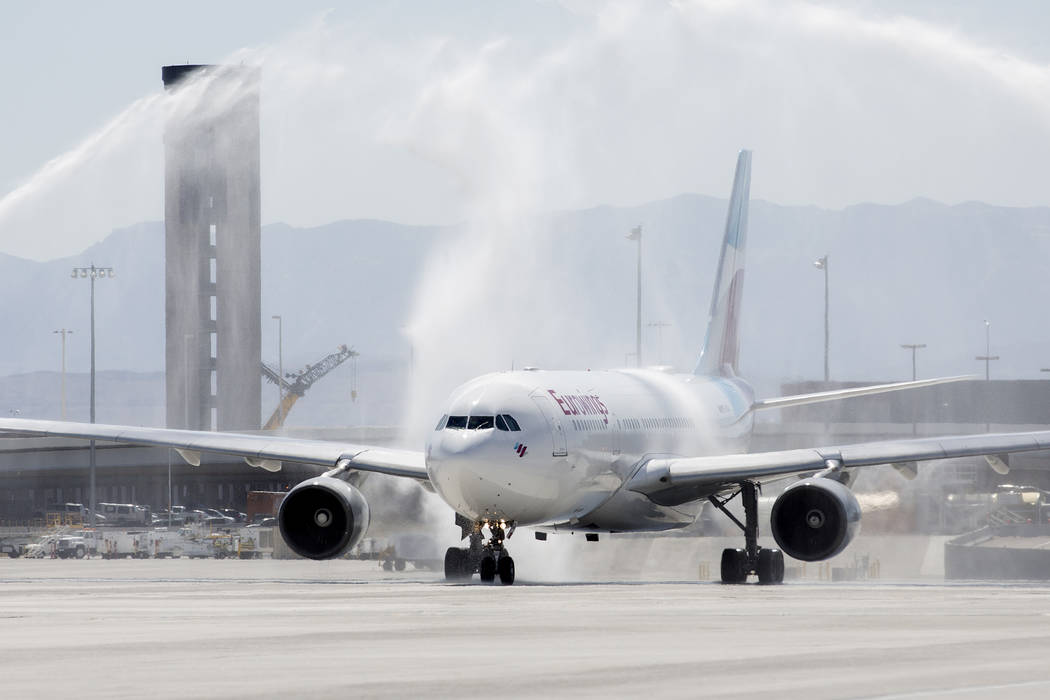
323,517
815,519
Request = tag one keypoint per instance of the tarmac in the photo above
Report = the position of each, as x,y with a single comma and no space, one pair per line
269,628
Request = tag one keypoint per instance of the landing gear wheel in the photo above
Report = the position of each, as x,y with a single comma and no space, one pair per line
487,569
770,566
506,570
734,566
455,564
399,564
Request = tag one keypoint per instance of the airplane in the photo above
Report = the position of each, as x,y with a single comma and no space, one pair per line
631,450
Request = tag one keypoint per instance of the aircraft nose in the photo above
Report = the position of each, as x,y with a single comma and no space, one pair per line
458,443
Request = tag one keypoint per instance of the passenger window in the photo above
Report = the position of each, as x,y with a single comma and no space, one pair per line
441,423
456,423
501,424
511,423
480,423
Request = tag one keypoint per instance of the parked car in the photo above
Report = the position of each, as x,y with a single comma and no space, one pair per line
125,514
211,512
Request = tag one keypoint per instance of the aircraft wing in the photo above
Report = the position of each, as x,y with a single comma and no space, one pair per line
258,450
672,480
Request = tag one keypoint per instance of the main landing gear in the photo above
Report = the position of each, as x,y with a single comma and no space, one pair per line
488,559
737,564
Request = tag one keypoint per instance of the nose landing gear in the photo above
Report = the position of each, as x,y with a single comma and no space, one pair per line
488,559
737,564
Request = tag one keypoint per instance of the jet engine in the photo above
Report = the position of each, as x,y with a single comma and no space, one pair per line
323,517
815,519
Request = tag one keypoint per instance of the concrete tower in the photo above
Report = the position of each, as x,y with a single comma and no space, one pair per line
212,226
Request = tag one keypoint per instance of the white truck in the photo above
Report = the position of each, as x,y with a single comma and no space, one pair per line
71,547
122,545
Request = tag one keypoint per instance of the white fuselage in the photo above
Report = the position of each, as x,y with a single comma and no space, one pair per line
581,436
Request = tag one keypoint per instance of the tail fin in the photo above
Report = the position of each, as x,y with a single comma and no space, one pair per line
721,346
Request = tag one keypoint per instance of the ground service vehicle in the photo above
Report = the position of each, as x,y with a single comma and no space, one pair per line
71,548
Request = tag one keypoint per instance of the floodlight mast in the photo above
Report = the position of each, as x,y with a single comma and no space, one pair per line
92,272
636,235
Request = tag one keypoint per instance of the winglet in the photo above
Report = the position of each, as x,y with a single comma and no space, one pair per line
722,346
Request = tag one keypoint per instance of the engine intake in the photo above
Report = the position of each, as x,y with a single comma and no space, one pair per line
323,517
815,519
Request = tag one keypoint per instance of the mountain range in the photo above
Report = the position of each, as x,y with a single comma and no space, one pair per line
559,290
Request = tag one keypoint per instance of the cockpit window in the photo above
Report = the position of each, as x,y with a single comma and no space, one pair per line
505,422
480,423
441,423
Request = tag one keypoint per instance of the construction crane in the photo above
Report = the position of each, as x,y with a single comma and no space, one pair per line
300,382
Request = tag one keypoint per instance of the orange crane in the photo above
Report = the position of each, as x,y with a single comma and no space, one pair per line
302,380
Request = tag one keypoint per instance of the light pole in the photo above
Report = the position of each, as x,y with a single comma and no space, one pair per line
913,348
280,365
987,357
636,235
92,273
659,326
64,332
822,264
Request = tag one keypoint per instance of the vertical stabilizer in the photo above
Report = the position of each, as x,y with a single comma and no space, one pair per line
721,345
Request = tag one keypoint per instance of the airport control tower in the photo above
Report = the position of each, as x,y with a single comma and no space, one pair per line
212,248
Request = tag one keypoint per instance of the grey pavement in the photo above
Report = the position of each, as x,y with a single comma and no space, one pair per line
231,629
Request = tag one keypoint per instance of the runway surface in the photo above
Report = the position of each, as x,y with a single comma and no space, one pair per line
230,629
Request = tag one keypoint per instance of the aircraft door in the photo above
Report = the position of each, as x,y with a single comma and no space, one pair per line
547,408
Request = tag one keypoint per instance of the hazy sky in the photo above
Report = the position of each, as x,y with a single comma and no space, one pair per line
433,112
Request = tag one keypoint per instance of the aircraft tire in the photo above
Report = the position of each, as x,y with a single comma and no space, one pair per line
506,570
487,569
770,566
455,564
734,566
399,564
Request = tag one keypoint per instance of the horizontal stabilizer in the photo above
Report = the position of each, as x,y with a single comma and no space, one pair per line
837,394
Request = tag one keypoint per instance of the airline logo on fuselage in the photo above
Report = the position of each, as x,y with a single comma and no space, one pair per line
581,405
